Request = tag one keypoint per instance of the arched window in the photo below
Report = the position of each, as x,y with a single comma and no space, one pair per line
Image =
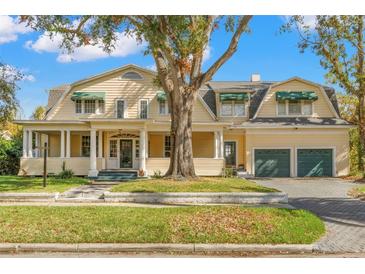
131,75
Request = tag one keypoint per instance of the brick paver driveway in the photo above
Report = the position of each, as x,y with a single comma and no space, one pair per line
327,197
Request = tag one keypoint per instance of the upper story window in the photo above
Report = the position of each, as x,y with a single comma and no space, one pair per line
295,103
233,104
131,75
120,107
78,106
233,108
101,106
143,109
163,108
295,108
89,106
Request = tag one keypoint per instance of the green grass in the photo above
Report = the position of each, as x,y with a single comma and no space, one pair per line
203,184
35,184
204,224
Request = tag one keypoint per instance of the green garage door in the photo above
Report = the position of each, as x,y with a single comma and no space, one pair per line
272,162
314,162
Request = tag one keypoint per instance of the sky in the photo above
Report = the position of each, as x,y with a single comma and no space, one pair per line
264,51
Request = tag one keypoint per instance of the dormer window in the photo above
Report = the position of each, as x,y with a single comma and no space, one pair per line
298,103
233,104
131,75
88,102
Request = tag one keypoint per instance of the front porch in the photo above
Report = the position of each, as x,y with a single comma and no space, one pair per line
87,152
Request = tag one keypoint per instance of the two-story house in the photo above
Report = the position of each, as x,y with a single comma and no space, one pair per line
120,120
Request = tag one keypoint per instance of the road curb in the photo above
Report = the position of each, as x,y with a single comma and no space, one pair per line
135,247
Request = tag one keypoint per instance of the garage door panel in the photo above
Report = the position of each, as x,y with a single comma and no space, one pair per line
314,162
272,162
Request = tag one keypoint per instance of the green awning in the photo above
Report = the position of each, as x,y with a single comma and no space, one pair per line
161,96
296,95
234,96
81,95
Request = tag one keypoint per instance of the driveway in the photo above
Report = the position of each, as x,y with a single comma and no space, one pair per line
327,197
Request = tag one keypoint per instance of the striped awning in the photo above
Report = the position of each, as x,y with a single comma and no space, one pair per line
239,96
82,95
296,95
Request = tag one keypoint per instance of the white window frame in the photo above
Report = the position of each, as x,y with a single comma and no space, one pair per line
98,107
293,115
81,107
139,108
95,106
125,112
166,112
233,103
164,147
82,135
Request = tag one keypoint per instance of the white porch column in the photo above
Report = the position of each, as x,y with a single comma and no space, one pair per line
30,143
93,172
25,143
68,143
100,144
62,149
216,144
37,144
142,148
221,144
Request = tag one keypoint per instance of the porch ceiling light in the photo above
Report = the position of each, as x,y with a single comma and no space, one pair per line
241,96
296,95
81,95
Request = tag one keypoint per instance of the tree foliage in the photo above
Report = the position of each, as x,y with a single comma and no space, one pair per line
10,153
9,76
339,42
38,113
176,43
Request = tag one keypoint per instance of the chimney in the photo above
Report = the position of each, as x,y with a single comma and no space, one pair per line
255,77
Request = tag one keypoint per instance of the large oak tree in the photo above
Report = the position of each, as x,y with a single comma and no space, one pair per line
177,44
339,42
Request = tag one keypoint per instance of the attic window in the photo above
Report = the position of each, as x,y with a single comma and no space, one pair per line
131,75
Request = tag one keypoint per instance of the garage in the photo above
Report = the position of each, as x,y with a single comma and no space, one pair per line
272,162
315,162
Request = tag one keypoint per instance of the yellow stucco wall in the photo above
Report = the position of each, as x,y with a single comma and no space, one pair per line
301,138
321,108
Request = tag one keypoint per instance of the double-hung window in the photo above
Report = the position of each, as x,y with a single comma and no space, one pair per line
233,108
137,149
78,106
143,109
113,148
101,106
120,109
295,108
89,106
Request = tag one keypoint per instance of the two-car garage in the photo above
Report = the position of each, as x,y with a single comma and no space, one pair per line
307,162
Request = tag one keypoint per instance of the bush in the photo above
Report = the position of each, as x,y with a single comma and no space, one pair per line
10,153
157,174
65,173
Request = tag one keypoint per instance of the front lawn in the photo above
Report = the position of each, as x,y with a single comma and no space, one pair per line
196,224
34,184
203,184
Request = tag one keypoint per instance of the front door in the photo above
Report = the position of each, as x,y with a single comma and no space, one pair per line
230,153
126,153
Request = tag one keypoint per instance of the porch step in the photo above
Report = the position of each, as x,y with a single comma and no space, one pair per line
116,175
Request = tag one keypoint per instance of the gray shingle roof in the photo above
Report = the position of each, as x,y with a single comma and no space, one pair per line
290,122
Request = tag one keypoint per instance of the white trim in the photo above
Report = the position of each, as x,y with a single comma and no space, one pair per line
224,150
294,115
134,71
333,148
291,155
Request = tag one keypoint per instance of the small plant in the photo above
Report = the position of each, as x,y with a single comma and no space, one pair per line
65,173
157,174
228,172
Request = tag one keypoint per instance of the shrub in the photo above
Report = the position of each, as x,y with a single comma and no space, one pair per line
10,153
65,173
157,174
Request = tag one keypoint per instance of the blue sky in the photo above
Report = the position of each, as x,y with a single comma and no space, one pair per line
275,56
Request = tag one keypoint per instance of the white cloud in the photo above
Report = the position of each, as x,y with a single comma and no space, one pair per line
308,20
10,29
152,67
207,53
125,45
11,73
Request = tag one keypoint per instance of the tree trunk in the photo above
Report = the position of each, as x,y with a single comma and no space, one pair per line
181,158
361,129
